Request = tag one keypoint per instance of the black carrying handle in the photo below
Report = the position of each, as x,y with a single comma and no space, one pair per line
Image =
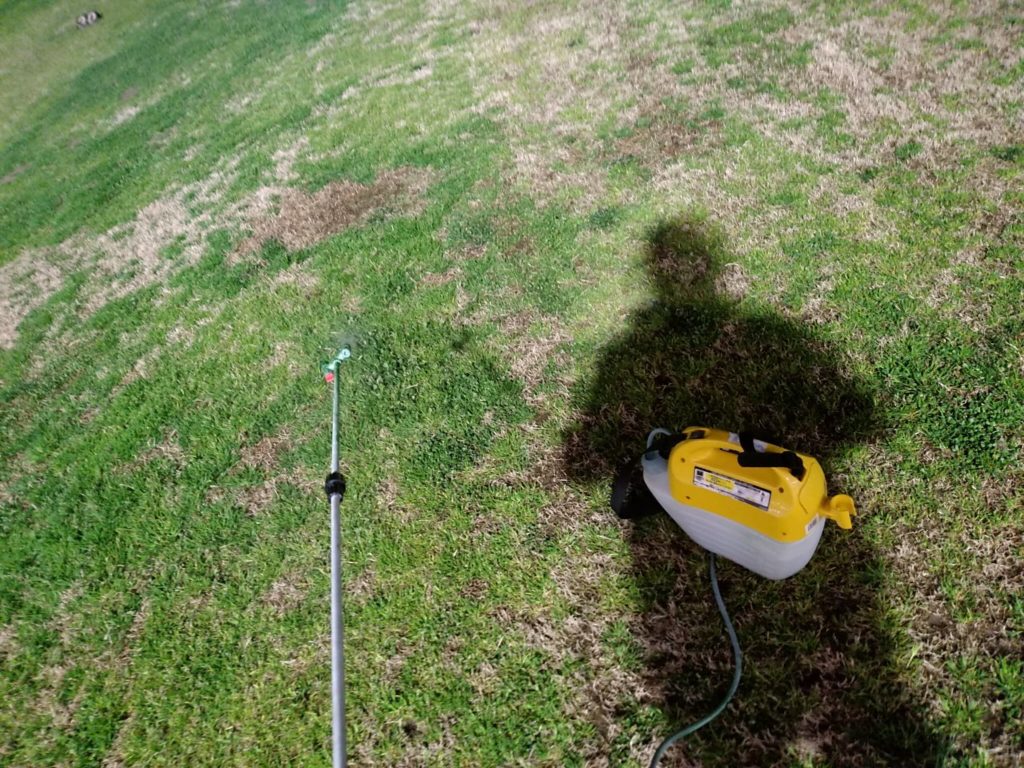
751,457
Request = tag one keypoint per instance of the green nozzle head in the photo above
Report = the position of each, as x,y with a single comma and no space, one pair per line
330,367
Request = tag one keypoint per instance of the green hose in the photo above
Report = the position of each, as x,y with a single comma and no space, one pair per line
737,656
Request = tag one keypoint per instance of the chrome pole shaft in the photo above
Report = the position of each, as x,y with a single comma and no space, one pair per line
337,624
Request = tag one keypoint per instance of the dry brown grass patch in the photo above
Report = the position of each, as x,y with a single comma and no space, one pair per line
816,308
732,281
553,73
663,139
123,116
286,354
530,353
7,178
254,499
556,76
929,77
9,646
25,283
475,589
363,585
306,219
287,593
469,252
264,454
264,457
598,683
114,757
140,369
168,449
65,622
997,560
284,160
47,703
434,279
164,237
298,276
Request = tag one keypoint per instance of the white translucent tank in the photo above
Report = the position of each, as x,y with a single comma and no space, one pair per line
721,504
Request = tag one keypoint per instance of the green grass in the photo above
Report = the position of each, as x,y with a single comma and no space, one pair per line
663,216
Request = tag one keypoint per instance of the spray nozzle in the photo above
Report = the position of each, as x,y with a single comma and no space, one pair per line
331,367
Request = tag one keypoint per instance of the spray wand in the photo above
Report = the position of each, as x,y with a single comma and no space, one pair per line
334,486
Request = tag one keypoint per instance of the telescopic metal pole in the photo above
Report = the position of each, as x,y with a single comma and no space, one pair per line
335,488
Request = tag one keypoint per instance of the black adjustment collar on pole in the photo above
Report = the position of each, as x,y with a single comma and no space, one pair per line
335,484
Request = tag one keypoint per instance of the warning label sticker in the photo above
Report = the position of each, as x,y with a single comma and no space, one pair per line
730,486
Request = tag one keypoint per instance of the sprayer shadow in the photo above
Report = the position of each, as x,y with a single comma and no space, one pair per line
820,681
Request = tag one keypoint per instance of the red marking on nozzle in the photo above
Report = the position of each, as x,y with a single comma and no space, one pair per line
329,377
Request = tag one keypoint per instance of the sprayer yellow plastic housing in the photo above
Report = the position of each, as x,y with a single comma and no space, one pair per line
768,519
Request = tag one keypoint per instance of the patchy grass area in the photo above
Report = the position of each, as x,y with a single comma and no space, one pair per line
548,227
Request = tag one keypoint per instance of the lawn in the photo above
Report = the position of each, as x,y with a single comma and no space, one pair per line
545,228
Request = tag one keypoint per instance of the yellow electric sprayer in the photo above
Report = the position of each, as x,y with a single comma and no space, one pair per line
757,504
754,503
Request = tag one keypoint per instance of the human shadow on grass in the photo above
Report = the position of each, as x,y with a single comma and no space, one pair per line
820,681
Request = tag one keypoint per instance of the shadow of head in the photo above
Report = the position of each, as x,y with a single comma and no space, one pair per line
695,356
684,258
821,681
